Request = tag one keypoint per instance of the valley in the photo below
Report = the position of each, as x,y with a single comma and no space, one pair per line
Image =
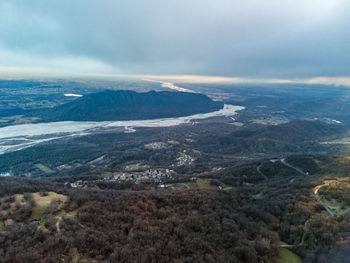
265,188
179,131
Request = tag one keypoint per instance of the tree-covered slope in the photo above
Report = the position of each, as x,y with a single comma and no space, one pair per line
130,105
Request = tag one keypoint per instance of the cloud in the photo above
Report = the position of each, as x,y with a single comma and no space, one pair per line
202,79
223,37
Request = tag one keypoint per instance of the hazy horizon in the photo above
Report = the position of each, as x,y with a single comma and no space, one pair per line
235,39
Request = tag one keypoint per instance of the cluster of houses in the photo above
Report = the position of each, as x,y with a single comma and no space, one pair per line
155,145
5,174
151,175
184,159
78,184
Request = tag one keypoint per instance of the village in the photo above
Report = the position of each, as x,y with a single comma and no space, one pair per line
184,159
150,175
155,176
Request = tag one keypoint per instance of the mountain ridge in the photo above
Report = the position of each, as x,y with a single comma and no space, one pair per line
110,105
294,136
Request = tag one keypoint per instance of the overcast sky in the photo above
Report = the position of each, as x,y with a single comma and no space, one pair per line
241,38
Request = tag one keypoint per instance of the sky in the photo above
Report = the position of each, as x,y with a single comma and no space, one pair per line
279,39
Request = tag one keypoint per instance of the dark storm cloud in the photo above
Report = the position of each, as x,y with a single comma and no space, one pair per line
218,37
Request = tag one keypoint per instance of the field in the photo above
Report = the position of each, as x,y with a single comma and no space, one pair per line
272,121
35,203
43,202
155,145
287,256
43,168
205,183
135,167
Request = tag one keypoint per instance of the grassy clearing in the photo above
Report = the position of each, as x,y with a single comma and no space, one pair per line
287,256
43,168
204,183
77,257
173,142
271,121
16,199
136,167
196,151
97,159
43,202
215,169
105,175
181,186
155,145
64,166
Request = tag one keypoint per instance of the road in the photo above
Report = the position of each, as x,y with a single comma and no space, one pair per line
58,224
185,185
316,189
261,173
306,231
299,170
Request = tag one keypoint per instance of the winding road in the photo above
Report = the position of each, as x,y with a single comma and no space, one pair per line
261,173
299,170
315,192
285,163
316,189
58,224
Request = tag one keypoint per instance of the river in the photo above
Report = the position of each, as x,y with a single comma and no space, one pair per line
17,137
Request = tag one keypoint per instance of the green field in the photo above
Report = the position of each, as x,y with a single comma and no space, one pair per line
135,167
287,256
204,183
42,202
43,168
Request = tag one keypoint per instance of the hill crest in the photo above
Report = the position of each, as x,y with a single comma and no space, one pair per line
110,105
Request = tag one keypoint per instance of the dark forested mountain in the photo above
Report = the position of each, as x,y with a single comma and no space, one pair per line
332,108
296,135
296,131
130,105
